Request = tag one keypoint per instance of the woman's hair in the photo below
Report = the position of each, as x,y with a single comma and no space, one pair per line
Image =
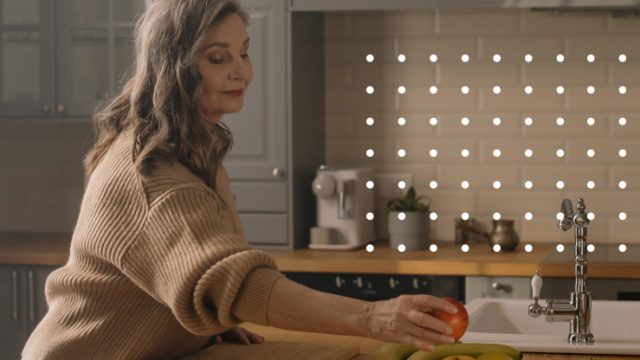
161,100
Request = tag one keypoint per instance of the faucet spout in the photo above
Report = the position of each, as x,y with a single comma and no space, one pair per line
567,210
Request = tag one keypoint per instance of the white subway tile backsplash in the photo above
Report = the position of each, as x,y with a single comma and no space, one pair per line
515,47
574,177
339,125
624,25
445,99
608,204
478,73
339,75
394,23
630,174
451,202
626,73
624,231
448,151
603,47
478,21
543,98
575,72
387,125
604,151
545,230
479,126
408,74
605,98
545,125
357,99
338,150
538,203
423,174
447,48
356,50
631,127
515,151
450,177
549,22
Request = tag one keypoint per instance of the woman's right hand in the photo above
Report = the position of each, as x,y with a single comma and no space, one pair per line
405,320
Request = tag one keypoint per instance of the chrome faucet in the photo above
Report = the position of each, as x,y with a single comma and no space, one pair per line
576,310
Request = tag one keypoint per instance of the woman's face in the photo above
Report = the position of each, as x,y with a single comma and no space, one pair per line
225,68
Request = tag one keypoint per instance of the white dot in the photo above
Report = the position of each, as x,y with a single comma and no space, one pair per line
370,216
560,121
433,89
464,248
433,184
560,153
528,216
465,184
590,248
496,248
559,216
591,121
433,58
622,153
496,121
528,89
622,216
433,152
402,153
591,216
464,216
370,184
622,89
402,58
496,216
401,216
622,248
560,89
433,121
370,58
591,89
402,89
369,248
433,248
560,58
528,248
622,58
370,121
590,58
402,121
401,248
496,58
560,184
560,248
433,216
402,184
591,184
369,89
591,153
528,121
369,153
622,121
465,89
465,153
496,89
528,58
622,184
465,58
465,121
528,184
496,153
496,184
528,153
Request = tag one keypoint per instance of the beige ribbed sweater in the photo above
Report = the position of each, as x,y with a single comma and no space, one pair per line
157,266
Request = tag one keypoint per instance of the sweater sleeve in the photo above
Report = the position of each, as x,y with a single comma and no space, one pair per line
189,257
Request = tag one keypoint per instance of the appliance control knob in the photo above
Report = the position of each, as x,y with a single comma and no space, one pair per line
324,186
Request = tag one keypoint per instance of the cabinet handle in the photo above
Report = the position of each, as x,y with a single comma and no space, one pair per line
278,173
45,109
30,295
499,286
15,295
60,109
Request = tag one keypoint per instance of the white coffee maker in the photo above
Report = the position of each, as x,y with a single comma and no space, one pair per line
343,202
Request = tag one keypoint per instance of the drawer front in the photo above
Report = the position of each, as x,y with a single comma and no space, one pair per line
260,196
507,287
265,228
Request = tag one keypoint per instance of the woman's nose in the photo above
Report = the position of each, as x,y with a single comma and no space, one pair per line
239,70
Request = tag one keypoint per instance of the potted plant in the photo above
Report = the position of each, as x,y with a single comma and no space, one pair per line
409,223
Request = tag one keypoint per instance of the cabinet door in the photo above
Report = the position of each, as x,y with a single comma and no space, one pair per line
26,58
13,316
94,48
259,129
36,302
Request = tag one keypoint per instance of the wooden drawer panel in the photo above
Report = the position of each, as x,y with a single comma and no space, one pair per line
265,228
260,196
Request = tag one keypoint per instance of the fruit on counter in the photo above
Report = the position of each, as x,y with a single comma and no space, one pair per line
459,357
398,351
494,356
471,349
458,321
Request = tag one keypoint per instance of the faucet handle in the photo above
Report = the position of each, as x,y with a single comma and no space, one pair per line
536,285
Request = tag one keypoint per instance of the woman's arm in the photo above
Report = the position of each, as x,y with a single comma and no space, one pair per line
403,319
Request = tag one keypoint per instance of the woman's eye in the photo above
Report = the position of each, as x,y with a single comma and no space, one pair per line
216,61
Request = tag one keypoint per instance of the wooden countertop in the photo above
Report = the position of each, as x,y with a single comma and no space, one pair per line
53,249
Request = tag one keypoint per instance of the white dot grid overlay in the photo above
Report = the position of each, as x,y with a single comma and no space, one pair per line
477,134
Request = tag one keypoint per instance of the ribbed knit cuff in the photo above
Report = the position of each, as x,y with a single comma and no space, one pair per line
253,296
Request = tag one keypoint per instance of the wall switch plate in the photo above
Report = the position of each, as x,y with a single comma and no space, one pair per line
386,185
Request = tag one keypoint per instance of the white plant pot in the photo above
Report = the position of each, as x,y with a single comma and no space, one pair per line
412,232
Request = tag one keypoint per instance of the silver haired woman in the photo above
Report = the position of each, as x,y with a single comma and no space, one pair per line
159,267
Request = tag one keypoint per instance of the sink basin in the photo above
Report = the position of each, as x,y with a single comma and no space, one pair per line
615,326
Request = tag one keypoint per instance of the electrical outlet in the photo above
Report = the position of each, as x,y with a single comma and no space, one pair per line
386,185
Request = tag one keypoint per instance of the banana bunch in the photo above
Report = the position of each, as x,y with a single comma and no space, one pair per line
456,351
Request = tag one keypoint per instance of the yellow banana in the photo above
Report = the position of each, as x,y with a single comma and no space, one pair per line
396,351
473,350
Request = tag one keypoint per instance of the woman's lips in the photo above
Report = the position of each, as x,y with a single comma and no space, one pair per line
235,93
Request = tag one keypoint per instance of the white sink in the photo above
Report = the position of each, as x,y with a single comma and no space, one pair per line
615,325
